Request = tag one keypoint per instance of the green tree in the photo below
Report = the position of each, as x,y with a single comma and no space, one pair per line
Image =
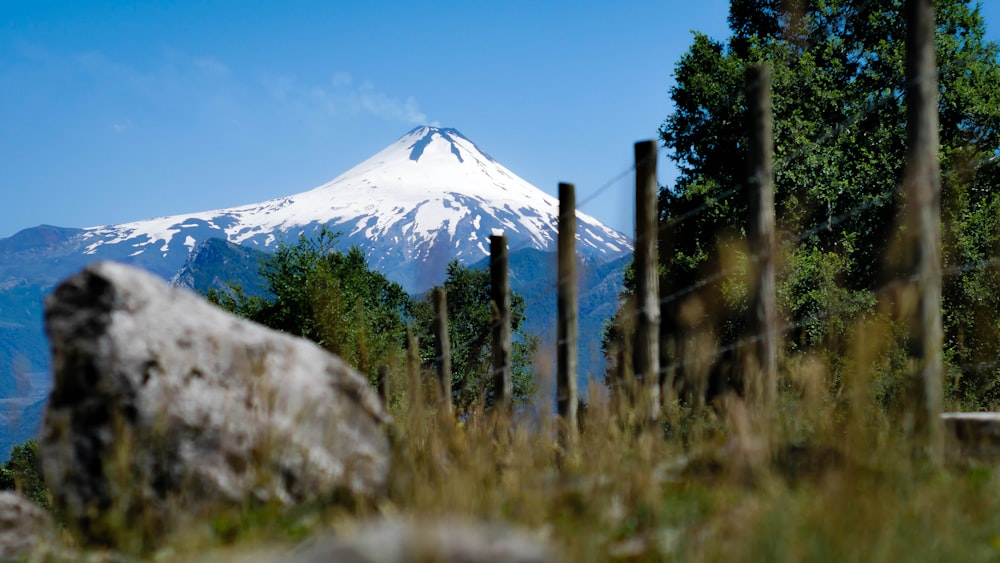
330,297
470,321
23,473
839,111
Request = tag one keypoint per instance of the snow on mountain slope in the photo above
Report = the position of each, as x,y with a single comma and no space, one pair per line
430,196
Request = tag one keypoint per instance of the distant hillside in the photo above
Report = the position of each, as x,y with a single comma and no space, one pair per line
533,275
23,347
19,423
532,272
216,263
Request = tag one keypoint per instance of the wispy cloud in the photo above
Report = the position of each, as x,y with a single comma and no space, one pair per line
343,96
206,91
382,105
121,126
199,87
341,80
211,66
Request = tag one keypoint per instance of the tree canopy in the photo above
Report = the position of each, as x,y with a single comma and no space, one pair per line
336,300
330,297
839,131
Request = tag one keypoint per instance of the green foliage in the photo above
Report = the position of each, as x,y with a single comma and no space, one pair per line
839,128
470,321
23,473
334,299
329,297
813,294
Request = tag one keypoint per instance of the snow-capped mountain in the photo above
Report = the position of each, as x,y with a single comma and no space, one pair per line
431,196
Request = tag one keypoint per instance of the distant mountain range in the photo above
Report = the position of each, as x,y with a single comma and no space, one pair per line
427,198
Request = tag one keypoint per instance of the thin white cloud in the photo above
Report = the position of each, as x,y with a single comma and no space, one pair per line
212,67
279,87
341,80
197,86
381,105
206,86
344,97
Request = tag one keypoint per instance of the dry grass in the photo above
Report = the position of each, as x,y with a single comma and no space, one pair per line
821,482
827,476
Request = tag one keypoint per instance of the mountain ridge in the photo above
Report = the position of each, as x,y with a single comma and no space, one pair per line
432,192
429,197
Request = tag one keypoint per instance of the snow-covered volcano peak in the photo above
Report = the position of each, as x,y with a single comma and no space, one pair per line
440,141
436,160
430,196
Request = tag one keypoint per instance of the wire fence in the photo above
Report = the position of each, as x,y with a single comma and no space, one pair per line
872,199
801,236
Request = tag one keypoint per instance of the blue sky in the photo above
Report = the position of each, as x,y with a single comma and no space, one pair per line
115,111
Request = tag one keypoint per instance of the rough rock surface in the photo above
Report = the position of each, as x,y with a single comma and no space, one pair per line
163,404
443,541
23,527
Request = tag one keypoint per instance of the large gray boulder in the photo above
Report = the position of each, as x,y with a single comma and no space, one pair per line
164,405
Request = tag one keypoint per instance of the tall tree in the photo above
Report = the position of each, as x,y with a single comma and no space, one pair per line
839,138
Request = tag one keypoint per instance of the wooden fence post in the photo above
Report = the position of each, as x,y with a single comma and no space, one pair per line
442,347
922,185
503,388
567,304
646,352
414,392
760,379
384,390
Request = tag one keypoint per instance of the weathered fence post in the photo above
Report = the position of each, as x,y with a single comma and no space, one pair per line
384,390
414,392
646,352
503,388
567,304
763,315
442,347
922,186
